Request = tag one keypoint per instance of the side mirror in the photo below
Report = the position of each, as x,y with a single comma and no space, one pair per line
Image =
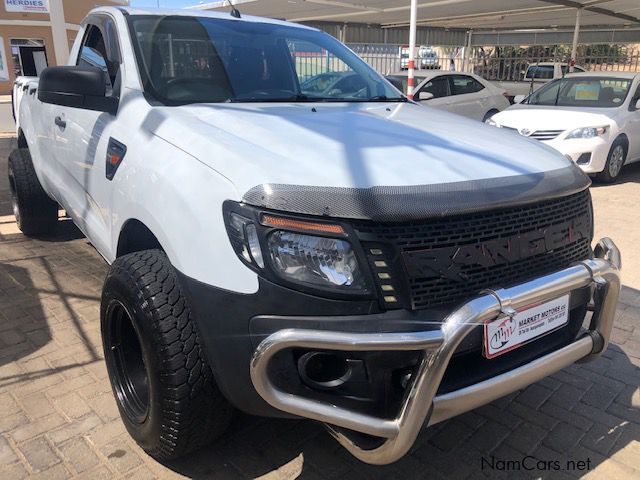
638,104
75,86
422,96
519,98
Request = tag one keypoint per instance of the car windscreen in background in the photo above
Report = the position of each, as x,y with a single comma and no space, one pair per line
207,60
599,92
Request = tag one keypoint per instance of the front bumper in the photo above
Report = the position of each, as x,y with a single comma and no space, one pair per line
421,404
590,154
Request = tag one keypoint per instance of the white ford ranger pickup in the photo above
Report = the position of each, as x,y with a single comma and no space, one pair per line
338,254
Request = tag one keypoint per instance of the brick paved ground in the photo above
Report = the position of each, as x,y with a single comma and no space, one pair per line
58,418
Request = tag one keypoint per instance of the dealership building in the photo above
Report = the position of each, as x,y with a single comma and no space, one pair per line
38,33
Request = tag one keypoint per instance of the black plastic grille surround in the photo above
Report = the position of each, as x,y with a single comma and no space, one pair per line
392,240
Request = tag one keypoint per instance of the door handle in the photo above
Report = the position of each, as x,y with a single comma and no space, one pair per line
60,122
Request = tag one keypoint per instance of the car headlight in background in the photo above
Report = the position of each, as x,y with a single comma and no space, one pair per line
586,132
305,252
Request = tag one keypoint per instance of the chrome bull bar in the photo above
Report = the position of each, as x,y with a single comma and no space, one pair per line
421,404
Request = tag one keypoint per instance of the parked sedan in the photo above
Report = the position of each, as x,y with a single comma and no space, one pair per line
462,93
592,118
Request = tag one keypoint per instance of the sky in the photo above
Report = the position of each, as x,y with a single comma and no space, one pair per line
164,3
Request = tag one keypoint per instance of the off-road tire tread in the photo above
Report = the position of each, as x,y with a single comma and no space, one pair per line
38,213
194,410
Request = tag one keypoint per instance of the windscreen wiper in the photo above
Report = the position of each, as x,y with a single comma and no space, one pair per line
384,98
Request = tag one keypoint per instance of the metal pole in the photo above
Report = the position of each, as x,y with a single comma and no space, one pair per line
576,34
412,47
59,32
467,53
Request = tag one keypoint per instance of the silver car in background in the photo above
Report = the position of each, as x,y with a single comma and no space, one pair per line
463,93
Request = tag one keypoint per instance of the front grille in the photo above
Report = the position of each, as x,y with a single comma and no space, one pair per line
545,134
389,245
538,134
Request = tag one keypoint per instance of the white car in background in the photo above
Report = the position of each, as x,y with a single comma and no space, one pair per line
456,92
591,118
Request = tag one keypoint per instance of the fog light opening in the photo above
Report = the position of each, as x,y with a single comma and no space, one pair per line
323,370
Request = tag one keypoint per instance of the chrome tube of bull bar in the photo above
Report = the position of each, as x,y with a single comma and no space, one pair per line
438,347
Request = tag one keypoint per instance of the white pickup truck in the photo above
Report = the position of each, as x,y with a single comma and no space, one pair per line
353,258
535,76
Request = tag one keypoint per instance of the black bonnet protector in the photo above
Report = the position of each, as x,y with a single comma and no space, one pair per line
396,204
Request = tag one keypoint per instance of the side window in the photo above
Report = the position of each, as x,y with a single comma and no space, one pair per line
438,87
544,72
461,84
93,53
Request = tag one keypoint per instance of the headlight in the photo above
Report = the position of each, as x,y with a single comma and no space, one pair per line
490,121
586,132
314,260
312,254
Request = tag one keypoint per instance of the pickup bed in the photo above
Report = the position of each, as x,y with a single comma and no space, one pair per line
344,255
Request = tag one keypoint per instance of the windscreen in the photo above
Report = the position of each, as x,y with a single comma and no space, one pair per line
208,60
583,92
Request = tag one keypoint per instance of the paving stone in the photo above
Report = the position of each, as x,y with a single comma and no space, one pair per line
533,416
58,472
563,437
99,473
11,422
37,427
78,453
37,405
451,435
488,436
566,396
143,473
74,428
67,386
120,456
600,396
72,405
105,406
13,471
600,438
7,455
500,415
105,433
612,469
526,437
534,396
567,416
595,414
39,454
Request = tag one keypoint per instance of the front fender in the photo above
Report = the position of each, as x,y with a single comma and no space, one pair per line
180,200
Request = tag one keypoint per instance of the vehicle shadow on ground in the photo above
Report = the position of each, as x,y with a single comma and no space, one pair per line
587,412
23,324
36,297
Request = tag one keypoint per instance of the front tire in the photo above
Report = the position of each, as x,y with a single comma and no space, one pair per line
615,161
35,212
164,387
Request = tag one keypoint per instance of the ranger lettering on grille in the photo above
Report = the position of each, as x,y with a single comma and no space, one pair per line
448,262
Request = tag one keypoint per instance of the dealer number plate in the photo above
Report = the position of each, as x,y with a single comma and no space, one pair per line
507,333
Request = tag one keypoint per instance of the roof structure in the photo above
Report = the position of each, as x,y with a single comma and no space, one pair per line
470,14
